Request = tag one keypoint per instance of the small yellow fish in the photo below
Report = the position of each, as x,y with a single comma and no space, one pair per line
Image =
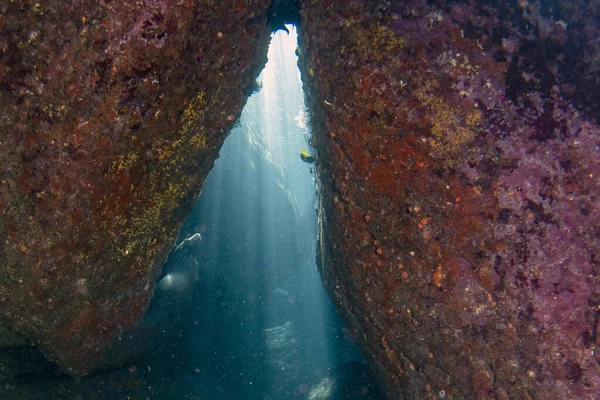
307,158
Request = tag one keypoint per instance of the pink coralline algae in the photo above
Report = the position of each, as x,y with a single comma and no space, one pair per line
467,133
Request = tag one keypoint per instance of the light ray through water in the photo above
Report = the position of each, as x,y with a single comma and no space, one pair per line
263,325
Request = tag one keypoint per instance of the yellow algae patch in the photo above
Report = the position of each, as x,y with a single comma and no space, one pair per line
192,113
474,118
165,188
451,130
138,230
123,162
377,41
190,133
163,204
198,141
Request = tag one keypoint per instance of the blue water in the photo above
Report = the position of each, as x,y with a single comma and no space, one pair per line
240,312
261,325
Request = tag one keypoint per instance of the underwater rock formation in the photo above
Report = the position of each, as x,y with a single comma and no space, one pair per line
161,332
458,157
111,116
458,147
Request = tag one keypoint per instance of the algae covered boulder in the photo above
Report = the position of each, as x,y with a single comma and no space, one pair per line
111,115
458,157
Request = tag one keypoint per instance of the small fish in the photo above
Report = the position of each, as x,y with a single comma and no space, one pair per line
307,158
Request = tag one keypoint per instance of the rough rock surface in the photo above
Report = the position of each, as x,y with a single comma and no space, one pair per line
460,190
111,115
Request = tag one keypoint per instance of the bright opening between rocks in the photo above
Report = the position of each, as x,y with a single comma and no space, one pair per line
253,319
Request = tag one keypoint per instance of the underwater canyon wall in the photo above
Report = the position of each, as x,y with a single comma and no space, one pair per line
111,116
458,149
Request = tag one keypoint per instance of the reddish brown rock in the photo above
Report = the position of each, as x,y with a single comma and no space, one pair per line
458,146
111,115
460,190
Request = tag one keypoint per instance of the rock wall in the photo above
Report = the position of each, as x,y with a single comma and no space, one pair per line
458,146
111,116
458,158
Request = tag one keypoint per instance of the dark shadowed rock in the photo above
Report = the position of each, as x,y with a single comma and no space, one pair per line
458,160
111,115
